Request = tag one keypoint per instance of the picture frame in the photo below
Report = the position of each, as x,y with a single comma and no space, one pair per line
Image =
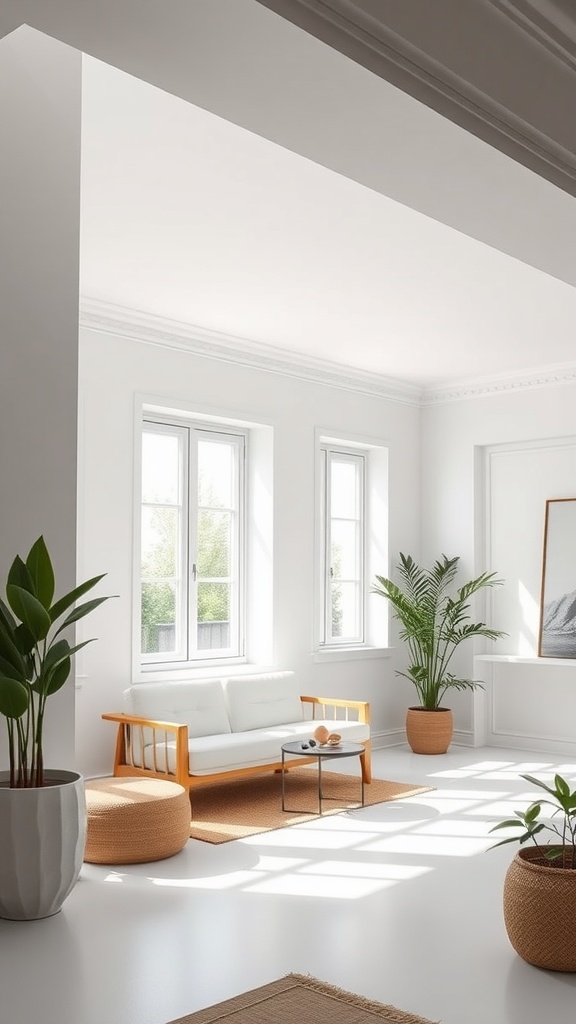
557,633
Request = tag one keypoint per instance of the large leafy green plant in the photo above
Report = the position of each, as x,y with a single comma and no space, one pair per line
562,851
435,620
35,659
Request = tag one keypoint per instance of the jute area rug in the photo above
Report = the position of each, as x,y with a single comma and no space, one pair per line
299,999
248,806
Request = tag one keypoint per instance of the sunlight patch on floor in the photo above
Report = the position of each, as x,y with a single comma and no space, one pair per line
367,869
314,838
234,880
503,808
322,887
427,845
452,827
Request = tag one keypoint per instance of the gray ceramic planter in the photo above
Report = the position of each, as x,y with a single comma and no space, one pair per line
42,839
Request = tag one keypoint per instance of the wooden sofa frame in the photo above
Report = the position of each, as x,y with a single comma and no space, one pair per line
173,732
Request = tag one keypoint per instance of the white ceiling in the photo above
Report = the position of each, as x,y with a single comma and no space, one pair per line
190,217
370,231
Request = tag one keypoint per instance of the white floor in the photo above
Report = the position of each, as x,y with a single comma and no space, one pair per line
399,902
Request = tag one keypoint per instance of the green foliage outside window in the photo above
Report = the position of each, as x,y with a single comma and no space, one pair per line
158,596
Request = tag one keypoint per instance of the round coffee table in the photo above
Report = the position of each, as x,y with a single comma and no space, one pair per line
295,747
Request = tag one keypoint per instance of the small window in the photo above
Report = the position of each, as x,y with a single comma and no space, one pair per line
343,546
192,542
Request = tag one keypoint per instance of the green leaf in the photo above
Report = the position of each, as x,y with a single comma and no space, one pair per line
56,652
80,612
65,602
61,650
7,669
52,676
510,823
511,839
19,576
23,639
6,618
532,813
28,609
554,854
537,782
41,572
14,698
58,677
561,785
9,651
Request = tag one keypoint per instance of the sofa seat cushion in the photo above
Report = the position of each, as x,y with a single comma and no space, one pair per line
199,705
211,754
255,702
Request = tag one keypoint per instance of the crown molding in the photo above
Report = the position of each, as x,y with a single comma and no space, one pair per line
558,375
149,329
544,22
345,26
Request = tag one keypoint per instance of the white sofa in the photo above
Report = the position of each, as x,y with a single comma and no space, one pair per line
211,729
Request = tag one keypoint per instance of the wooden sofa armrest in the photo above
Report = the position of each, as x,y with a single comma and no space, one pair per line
361,707
163,733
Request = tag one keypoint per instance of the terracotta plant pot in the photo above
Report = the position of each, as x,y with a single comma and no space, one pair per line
429,732
540,911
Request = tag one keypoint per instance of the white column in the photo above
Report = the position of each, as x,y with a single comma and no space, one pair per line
40,90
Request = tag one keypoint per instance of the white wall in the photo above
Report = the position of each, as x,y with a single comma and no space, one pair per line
489,464
40,217
113,372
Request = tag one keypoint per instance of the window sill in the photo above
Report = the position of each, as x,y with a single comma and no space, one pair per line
520,659
198,670
349,654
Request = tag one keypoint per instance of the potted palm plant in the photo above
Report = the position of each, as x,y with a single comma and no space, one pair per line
42,811
540,883
434,618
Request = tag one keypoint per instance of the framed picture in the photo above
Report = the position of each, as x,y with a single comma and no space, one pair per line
558,594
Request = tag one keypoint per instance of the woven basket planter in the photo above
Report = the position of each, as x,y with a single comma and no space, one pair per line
540,911
429,732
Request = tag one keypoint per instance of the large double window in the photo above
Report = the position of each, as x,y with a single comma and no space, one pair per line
192,542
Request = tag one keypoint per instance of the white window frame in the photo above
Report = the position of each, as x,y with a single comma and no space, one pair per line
188,654
376,544
329,454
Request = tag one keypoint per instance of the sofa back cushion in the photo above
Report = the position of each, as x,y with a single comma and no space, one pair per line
200,705
255,702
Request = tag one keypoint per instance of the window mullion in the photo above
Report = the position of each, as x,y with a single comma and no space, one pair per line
327,553
192,537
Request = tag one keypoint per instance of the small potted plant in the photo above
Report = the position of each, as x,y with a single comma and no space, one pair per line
435,620
540,883
42,811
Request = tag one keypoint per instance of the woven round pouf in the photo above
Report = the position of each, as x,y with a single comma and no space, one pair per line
134,820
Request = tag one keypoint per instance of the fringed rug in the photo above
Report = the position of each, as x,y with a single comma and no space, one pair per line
245,807
300,999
